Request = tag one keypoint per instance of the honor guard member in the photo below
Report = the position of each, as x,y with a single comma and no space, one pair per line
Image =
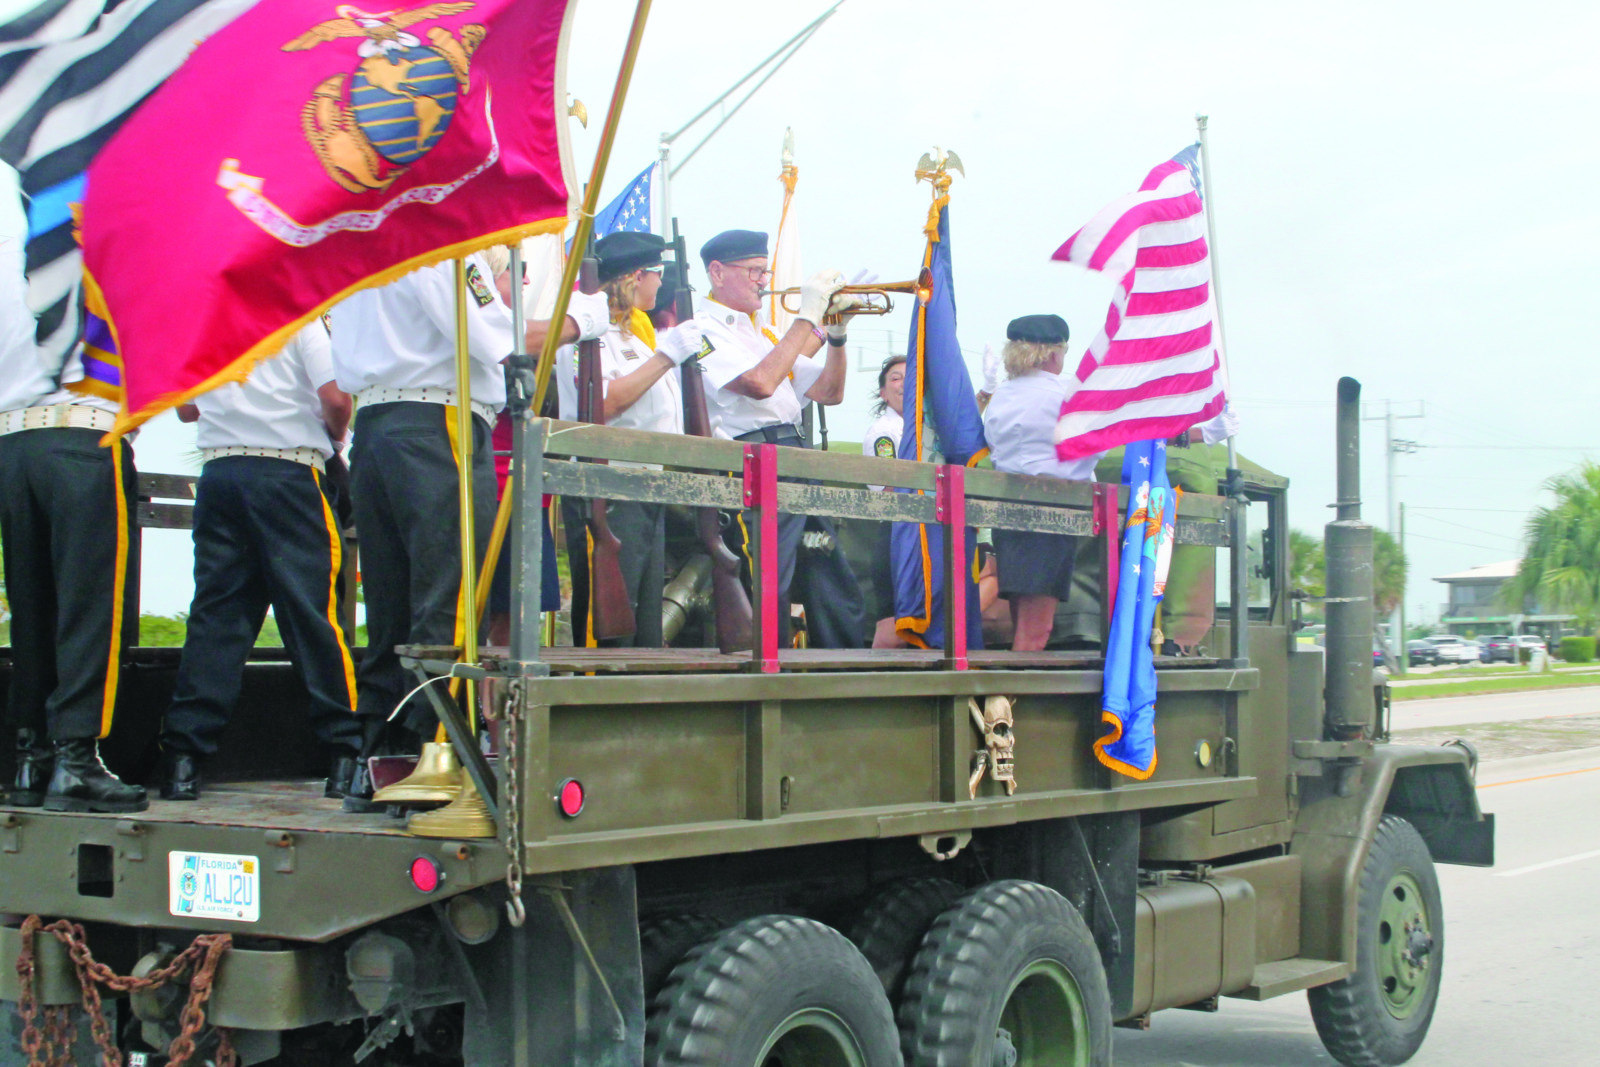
883,441
394,349
1019,423
641,393
756,384
66,521
265,535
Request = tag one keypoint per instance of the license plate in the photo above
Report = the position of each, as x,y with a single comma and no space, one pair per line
208,885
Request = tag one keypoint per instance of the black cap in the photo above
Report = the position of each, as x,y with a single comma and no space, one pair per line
622,253
730,246
1038,329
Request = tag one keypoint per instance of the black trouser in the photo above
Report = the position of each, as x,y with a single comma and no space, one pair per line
642,531
67,539
818,578
264,534
404,481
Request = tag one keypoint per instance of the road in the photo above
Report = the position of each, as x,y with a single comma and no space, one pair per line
1523,942
1495,707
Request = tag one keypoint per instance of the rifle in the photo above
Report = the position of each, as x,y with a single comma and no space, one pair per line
608,600
729,600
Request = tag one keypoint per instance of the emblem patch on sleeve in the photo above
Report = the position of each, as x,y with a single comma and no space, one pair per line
883,447
478,287
706,347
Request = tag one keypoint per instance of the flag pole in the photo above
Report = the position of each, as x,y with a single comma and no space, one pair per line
591,197
469,555
1216,268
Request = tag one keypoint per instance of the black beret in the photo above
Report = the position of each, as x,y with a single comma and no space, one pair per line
1039,329
674,276
730,246
622,253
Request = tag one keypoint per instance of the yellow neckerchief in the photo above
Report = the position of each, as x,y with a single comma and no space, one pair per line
639,324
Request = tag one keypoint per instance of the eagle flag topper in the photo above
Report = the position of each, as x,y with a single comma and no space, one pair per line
360,146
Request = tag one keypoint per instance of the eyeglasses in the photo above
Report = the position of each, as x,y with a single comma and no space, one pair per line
756,274
657,269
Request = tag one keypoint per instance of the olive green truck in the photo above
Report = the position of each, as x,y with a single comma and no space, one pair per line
786,858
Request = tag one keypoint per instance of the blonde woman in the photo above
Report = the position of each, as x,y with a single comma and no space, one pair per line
1019,423
640,394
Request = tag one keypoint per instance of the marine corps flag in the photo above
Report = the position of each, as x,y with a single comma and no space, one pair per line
307,150
941,416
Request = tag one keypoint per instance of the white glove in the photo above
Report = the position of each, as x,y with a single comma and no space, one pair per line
679,344
838,330
864,277
591,313
991,369
815,294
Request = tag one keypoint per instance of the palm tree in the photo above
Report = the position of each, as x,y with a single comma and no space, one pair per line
1389,568
1561,568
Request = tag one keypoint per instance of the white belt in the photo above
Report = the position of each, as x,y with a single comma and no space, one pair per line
428,394
57,416
311,457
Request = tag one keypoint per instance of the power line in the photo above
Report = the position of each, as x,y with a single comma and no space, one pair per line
1473,529
1463,544
1498,511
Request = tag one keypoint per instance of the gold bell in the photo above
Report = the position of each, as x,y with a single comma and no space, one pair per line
465,816
435,780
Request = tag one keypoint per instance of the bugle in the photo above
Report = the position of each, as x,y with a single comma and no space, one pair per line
870,299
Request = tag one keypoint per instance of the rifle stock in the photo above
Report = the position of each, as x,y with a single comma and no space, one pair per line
729,600
609,605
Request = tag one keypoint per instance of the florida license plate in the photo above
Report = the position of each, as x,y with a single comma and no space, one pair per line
208,885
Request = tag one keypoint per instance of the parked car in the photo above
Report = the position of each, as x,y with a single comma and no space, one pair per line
1422,653
1499,649
1451,648
1532,641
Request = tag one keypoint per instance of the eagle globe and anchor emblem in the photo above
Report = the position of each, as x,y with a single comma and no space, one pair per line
402,94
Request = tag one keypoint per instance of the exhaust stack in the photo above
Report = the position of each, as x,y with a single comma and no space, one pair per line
1347,550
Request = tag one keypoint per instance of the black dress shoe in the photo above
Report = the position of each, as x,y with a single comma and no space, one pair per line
340,775
358,797
35,760
80,782
180,776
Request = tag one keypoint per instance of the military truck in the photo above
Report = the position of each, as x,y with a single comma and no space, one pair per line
783,857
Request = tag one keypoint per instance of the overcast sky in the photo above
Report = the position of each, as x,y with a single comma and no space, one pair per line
1400,192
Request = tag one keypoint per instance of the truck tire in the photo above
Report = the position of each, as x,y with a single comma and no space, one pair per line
891,927
773,991
1008,974
666,939
1379,1015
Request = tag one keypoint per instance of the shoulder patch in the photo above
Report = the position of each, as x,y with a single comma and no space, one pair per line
883,447
478,287
706,347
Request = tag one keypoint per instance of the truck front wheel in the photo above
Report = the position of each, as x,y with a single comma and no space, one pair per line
1009,974
774,991
1379,1015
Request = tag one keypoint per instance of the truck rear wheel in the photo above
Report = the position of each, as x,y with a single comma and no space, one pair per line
891,927
1379,1015
664,940
1008,975
774,991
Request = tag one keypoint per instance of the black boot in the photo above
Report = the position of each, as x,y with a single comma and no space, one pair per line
35,760
180,776
82,783
341,775
358,794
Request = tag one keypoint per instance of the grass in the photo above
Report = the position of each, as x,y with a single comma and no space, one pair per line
1512,684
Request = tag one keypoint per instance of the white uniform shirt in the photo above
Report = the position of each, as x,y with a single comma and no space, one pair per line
1020,424
883,437
736,345
659,409
278,407
402,336
25,380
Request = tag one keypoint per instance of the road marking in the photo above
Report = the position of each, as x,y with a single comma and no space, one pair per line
1540,777
1547,864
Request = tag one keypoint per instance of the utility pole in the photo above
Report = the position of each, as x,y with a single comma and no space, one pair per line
1400,641
1392,447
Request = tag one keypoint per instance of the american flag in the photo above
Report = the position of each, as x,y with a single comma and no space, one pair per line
1156,368
631,211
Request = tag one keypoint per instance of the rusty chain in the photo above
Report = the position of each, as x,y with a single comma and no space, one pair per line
511,803
202,958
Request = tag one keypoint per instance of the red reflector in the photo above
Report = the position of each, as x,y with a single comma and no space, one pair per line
425,874
569,798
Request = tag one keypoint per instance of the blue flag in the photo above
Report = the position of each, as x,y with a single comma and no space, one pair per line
630,211
1129,705
941,415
